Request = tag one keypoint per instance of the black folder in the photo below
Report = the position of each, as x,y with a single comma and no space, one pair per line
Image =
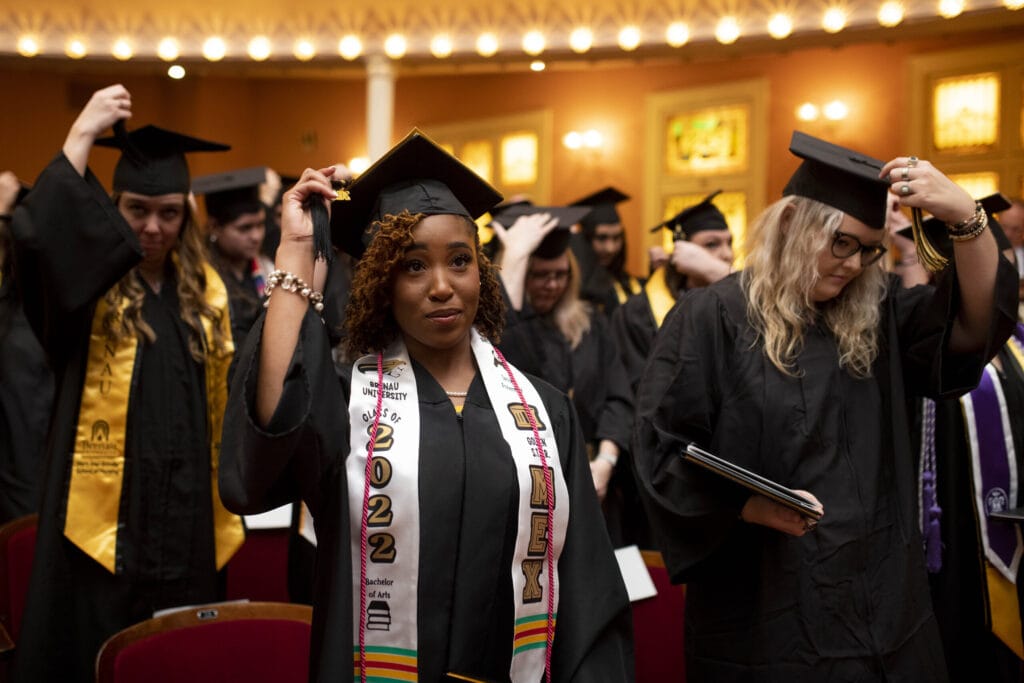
755,482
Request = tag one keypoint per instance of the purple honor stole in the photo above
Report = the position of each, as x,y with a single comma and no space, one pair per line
996,488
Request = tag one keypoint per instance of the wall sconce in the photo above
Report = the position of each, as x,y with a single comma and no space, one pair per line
589,139
836,110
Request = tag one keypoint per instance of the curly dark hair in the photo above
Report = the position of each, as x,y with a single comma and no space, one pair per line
370,325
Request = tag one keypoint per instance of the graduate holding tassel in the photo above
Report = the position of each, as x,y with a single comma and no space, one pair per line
800,368
458,533
136,327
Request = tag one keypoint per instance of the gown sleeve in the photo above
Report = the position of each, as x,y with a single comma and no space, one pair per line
633,335
691,512
615,418
304,443
593,637
71,245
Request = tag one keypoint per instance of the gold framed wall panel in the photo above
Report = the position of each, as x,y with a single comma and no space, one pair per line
1006,156
742,173
501,151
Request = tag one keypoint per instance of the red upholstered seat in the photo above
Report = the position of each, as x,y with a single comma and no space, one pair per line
251,642
17,548
658,628
259,570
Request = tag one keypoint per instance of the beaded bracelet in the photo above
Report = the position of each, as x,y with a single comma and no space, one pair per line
609,458
970,227
292,283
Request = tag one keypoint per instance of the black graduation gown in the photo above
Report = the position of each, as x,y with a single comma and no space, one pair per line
972,651
26,399
72,245
468,522
633,326
243,297
850,601
594,377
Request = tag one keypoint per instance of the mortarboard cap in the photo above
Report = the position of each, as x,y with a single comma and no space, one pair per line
843,179
935,230
701,216
152,160
603,211
415,175
555,242
231,194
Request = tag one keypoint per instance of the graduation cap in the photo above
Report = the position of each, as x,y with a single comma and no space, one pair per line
231,194
701,216
837,176
937,234
603,212
555,242
153,159
415,175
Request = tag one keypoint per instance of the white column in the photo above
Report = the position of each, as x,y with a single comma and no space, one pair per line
380,105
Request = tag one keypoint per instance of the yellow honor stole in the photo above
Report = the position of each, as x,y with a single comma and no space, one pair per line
97,468
620,292
659,297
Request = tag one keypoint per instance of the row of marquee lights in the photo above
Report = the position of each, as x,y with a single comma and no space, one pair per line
350,46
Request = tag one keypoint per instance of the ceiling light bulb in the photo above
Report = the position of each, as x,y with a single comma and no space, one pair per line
629,38
534,43
259,48
780,26
75,48
28,46
441,46
727,31
487,44
304,49
214,48
581,40
537,65
677,34
168,49
834,20
1013,4
122,49
395,46
176,71
350,47
951,8
890,13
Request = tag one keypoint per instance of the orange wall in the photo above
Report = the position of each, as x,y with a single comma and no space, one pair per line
290,124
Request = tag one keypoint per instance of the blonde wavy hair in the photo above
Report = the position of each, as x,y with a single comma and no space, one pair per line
780,274
188,257
571,314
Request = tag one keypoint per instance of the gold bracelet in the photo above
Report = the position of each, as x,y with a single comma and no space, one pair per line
292,283
975,226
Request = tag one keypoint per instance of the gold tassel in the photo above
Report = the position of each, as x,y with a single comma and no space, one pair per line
927,254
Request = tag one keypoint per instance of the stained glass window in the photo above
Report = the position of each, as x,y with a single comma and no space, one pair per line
479,156
966,110
519,153
978,185
712,140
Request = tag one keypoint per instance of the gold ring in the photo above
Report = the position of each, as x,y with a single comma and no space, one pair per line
906,172
911,162
905,189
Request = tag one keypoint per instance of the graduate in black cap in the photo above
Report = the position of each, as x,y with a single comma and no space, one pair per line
600,249
236,223
800,368
971,452
26,382
702,254
458,531
136,326
559,337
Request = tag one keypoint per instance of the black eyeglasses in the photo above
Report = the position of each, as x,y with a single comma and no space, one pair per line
844,246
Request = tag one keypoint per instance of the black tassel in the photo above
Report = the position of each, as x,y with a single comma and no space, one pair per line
321,229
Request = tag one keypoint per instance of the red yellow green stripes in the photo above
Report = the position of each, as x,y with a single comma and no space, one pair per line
387,664
530,633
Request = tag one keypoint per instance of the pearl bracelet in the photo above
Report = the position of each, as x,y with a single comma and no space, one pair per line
292,283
